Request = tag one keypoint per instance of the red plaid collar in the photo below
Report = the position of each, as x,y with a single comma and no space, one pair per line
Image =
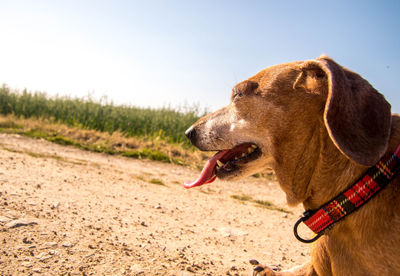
375,179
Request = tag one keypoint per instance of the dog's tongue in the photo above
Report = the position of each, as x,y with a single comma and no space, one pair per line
207,175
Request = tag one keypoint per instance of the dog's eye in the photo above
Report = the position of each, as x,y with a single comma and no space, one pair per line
237,93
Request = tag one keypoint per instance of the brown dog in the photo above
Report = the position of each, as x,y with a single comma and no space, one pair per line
319,126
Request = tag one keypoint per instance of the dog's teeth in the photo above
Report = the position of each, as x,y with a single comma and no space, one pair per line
250,150
220,164
254,146
236,158
243,154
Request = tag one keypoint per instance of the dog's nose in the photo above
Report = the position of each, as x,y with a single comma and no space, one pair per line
191,133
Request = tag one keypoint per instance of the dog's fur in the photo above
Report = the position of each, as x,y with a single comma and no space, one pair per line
319,126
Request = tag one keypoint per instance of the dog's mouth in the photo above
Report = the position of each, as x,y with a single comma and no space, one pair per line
225,163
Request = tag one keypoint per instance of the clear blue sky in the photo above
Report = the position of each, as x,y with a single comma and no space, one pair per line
158,53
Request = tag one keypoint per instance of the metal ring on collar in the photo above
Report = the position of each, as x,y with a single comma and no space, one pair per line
296,234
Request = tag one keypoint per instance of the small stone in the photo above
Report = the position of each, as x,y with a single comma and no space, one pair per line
143,224
43,256
27,264
90,255
55,205
26,241
37,270
137,269
67,244
232,232
49,245
20,222
4,219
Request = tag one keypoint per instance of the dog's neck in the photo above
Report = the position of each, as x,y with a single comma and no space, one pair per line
316,172
333,173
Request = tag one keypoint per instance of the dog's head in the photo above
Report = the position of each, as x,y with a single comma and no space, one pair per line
272,116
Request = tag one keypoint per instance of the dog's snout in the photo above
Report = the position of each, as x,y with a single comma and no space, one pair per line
191,133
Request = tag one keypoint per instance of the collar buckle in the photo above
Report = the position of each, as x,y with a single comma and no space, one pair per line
306,215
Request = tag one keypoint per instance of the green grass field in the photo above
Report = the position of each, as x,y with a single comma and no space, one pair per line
165,123
100,126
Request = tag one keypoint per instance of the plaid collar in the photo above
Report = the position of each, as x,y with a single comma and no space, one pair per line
375,179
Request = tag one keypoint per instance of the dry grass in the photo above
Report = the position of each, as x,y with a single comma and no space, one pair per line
260,203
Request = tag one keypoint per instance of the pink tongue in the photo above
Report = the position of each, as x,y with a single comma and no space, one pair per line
207,175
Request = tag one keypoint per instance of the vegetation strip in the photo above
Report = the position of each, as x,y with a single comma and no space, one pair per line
260,203
164,123
103,142
157,182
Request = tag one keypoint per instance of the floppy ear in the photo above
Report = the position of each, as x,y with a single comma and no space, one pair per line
357,117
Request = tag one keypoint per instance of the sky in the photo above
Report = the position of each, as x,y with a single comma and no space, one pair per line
188,53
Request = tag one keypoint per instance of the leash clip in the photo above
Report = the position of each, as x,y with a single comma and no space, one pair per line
306,215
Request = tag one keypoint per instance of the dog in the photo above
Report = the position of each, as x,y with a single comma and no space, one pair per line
320,127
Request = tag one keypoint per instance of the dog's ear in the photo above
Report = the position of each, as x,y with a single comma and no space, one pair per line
312,78
357,117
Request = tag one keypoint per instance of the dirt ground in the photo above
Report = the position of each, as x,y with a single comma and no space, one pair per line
66,211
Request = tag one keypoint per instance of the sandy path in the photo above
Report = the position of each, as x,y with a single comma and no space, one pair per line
94,214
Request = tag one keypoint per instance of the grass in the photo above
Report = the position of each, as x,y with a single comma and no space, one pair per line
152,154
242,197
260,203
157,182
61,140
165,123
151,181
100,126
103,142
